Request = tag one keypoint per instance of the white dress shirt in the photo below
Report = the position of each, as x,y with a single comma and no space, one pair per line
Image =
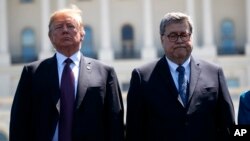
74,67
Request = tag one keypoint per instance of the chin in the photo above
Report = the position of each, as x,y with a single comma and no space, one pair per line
67,44
181,54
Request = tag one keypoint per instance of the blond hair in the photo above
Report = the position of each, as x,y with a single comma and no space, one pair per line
74,11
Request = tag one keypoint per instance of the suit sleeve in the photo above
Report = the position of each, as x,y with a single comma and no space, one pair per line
114,109
135,110
225,111
244,106
20,118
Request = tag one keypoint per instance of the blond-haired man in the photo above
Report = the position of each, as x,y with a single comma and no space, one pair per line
67,97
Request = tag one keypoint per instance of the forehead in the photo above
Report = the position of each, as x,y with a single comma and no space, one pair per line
177,27
64,18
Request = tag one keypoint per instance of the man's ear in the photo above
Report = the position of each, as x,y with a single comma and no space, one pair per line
82,34
161,39
50,36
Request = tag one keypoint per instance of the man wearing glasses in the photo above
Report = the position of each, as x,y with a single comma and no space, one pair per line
178,97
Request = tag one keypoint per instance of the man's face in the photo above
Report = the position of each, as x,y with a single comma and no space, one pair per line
176,42
66,34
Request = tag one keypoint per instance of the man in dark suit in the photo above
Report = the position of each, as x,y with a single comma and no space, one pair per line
244,108
178,98
42,99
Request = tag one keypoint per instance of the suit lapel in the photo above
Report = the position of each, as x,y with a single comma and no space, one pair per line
84,73
165,74
53,83
194,76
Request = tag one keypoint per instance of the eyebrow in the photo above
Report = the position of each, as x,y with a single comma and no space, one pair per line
179,33
62,23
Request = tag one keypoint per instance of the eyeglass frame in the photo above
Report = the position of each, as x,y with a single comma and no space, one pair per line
177,36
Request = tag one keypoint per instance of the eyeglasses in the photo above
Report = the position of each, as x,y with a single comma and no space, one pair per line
173,37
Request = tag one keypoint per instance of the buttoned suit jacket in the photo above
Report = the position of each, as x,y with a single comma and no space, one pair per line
155,113
98,112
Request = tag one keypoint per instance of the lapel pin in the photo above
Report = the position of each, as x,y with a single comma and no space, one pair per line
88,67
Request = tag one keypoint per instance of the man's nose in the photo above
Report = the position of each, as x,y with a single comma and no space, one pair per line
179,40
65,28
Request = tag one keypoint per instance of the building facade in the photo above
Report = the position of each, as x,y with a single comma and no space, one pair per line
124,33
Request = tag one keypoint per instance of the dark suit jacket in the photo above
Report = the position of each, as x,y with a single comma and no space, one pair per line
154,112
98,112
244,109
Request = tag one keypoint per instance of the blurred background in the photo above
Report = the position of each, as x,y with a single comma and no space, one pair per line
124,34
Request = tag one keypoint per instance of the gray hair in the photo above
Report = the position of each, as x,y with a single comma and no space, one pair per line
175,17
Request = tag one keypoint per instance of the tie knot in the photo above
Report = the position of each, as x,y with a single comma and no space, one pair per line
68,61
180,69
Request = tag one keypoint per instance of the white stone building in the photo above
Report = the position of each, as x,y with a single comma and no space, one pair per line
125,34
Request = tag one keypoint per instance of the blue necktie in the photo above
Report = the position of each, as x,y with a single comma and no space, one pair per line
66,102
182,83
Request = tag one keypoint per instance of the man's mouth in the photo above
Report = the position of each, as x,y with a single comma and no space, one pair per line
66,38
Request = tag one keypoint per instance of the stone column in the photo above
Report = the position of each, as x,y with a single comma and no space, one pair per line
5,75
247,46
149,50
106,51
191,13
209,48
46,47
5,56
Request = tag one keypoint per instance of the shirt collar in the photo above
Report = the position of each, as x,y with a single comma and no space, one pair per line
75,58
173,66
